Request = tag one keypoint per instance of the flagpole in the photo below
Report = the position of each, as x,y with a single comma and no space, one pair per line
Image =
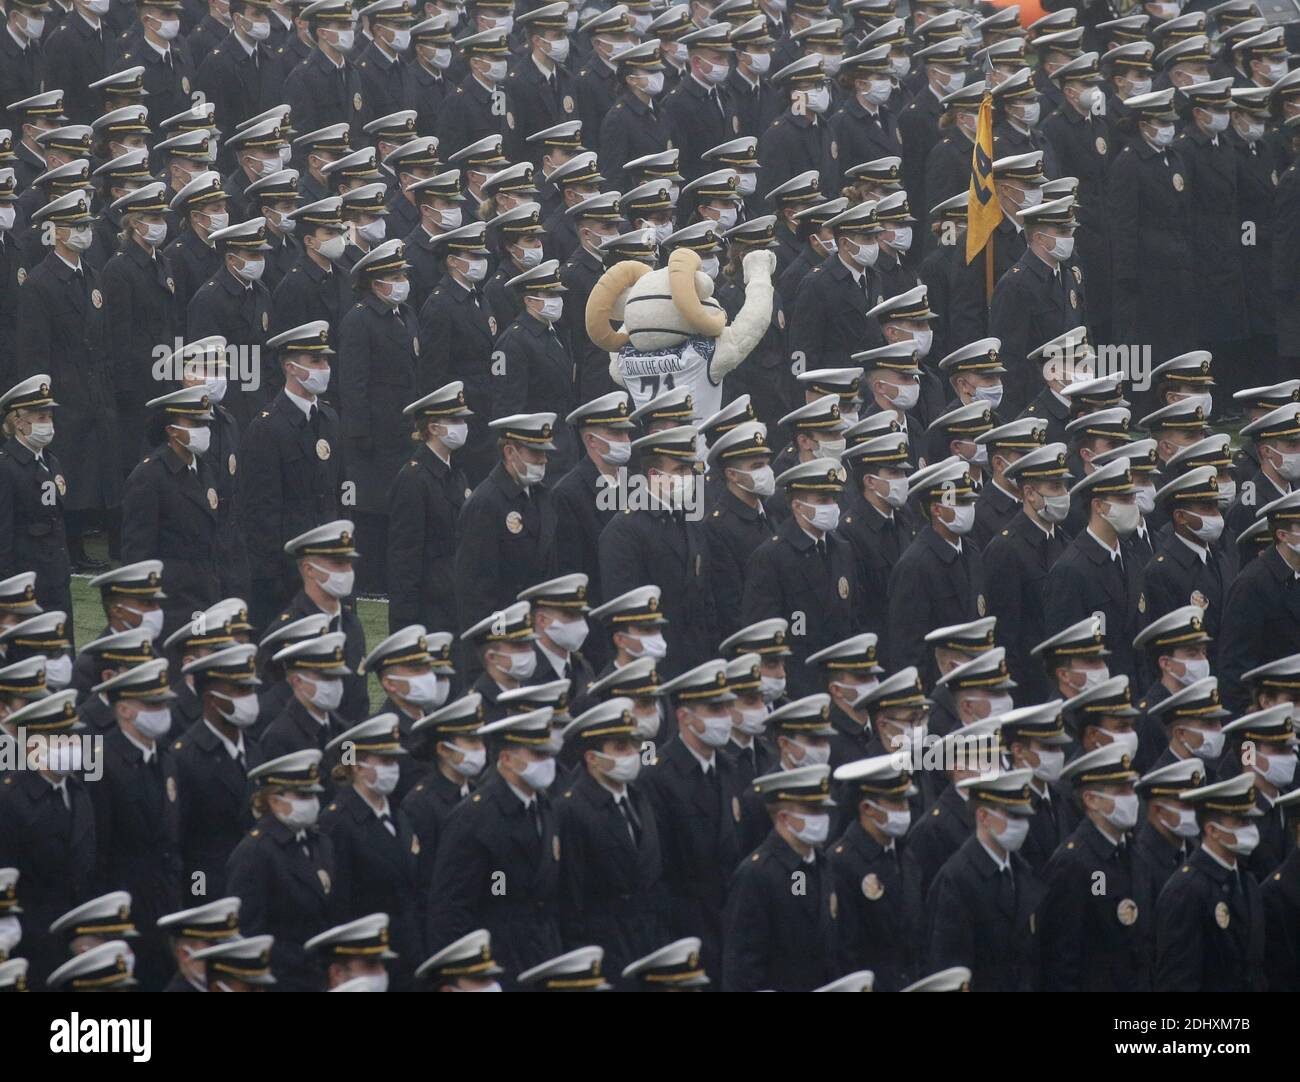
988,272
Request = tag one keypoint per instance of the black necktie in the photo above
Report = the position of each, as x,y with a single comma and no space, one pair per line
717,101
62,790
313,420
821,548
631,818
387,820
534,817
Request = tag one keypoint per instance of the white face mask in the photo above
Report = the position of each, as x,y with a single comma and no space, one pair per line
80,239
58,672
1124,813
815,830
716,74
949,82
253,269
717,729
454,435
1146,499
151,724
151,622
1093,677
476,270
569,635
616,452
1211,746
451,219
1012,836
169,28
753,720
386,775
1055,509
325,693
771,687
1244,840
529,257
313,380
906,395
1029,114
1210,529
520,666
216,388
422,689
1227,493
1122,517
155,233
853,693
864,255
337,584
243,710
538,774
896,495
218,220
333,247
1138,86
1279,770
822,516
813,756
1062,248
896,823
964,520
1162,135
1287,465
1216,122
441,59
6,218
496,71
709,266
747,183
531,473
397,292
1186,826
832,448
992,395
302,814
625,768
760,63
653,84
373,232
558,51
901,238
401,40
818,100
647,724
198,440
472,761
877,91
41,434
761,482
655,646
342,40
551,310
1050,763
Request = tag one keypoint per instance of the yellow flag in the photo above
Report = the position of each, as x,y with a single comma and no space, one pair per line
983,214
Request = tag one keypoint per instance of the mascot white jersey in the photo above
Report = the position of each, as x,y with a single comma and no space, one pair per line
674,333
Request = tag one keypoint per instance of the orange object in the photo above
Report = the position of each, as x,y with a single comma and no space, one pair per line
1030,10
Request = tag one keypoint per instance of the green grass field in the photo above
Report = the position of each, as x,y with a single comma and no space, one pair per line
88,616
